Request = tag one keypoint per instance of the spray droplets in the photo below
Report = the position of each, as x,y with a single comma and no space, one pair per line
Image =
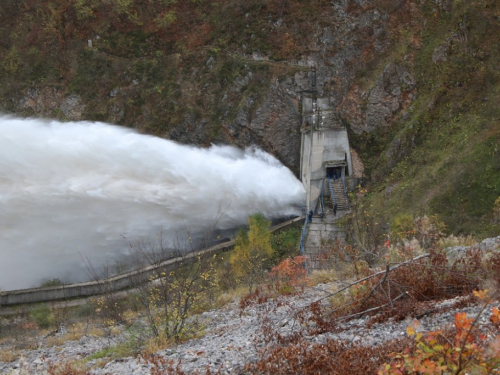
78,188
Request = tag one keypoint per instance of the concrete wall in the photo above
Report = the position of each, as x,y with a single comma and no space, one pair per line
118,282
324,143
321,148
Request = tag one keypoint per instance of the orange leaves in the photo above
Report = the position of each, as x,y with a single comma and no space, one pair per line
435,354
495,316
410,330
481,294
463,326
289,274
292,269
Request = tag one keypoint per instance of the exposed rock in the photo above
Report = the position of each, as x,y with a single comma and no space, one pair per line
391,94
446,5
349,35
357,165
487,246
277,123
440,54
72,107
47,101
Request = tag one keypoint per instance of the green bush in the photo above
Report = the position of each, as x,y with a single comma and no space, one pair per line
402,227
252,251
42,316
84,311
51,282
285,244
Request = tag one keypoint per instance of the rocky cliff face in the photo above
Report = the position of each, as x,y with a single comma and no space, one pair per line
242,97
402,76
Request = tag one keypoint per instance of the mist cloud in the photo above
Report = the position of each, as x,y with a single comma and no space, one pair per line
90,188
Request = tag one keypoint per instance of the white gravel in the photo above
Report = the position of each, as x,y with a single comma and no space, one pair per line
232,340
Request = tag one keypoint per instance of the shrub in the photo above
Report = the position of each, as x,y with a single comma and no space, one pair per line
285,243
84,311
469,351
402,226
333,357
51,282
66,368
162,366
252,251
427,230
7,355
289,274
42,316
170,298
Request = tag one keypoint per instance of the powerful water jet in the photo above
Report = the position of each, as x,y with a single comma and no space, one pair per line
89,189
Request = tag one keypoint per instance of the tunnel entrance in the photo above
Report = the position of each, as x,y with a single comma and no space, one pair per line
334,172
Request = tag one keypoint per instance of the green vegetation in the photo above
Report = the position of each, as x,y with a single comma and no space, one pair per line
410,270
252,251
168,67
151,59
402,227
447,159
43,316
285,242
158,314
50,283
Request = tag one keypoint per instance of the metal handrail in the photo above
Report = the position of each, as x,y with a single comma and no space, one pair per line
334,201
323,200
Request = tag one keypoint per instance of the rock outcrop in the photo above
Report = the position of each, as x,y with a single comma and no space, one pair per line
350,34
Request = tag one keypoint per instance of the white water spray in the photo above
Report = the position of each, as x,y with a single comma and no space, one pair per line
79,188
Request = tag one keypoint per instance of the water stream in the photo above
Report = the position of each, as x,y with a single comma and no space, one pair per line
81,189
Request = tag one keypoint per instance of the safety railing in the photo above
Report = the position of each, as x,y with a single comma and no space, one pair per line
323,200
334,201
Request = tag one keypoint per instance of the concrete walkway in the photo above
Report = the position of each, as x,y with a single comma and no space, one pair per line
322,232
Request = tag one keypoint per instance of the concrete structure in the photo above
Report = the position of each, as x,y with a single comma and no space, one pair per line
325,170
119,282
322,233
324,147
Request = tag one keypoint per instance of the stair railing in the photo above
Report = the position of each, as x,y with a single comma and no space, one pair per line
323,199
334,201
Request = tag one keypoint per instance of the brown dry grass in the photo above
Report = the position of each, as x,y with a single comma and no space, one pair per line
8,355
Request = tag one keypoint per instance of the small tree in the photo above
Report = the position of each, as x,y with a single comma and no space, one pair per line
289,274
169,297
363,230
252,251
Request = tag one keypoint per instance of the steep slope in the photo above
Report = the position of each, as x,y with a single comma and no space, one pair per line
416,82
198,72
441,153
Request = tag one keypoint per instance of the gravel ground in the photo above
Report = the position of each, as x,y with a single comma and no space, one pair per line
231,340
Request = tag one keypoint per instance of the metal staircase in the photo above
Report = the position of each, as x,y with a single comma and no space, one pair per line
338,191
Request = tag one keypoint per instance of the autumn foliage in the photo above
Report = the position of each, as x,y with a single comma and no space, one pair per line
289,274
252,252
471,350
